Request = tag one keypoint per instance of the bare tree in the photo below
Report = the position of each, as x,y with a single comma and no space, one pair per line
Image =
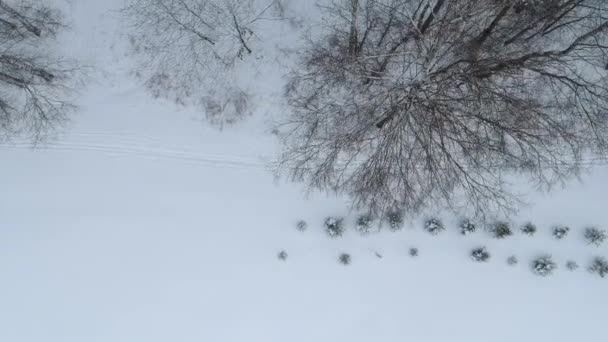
34,83
189,50
417,103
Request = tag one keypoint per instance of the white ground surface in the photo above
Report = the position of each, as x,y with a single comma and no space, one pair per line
141,223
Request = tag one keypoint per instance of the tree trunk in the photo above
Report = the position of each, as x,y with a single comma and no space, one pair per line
353,41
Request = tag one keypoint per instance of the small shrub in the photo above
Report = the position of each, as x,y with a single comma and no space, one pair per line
395,220
529,229
334,226
480,254
560,232
512,260
595,236
282,255
344,259
434,226
364,224
301,225
413,252
571,265
599,266
501,230
467,227
543,266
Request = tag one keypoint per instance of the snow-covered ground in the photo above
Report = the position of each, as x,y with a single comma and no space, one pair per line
141,223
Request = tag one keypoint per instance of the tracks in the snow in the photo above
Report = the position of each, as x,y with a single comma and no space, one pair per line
128,144
136,145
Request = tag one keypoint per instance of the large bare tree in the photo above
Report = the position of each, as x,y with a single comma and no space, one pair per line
34,91
189,50
415,103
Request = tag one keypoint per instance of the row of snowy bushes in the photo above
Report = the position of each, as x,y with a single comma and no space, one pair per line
542,266
335,227
545,265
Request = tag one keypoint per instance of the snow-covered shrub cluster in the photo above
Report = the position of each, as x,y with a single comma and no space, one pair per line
301,225
434,226
467,227
512,260
571,265
364,224
543,266
334,226
501,230
599,266
529,229
480,254
560,232
413,252
344,259
595,236
395,220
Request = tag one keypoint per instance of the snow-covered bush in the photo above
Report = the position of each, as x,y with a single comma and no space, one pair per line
467,227
543,266
560,232
480,254
344,259
599,266
595,236
501,230
395,220
571,265
529,229
282,255
434,226
413,252
512,260
301,225
364,224
334,226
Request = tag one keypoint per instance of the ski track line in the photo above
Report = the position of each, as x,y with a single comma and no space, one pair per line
212,160
117,142
157,148
130,144
131,140
202,159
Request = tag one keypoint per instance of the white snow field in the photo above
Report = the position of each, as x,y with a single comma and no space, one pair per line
142,223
